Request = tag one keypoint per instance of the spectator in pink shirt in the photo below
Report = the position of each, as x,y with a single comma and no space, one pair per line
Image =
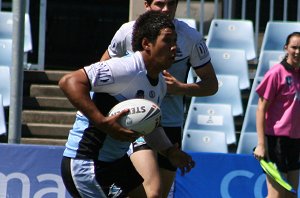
277,117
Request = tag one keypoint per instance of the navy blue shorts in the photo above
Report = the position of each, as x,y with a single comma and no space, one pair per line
284,152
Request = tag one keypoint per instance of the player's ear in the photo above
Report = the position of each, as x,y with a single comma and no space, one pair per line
146,44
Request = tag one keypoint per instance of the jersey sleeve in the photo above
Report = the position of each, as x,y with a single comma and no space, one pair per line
121,42
104,78
192,44
199,54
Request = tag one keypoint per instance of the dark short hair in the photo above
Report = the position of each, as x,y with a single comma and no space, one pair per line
287,41
149,25
290,36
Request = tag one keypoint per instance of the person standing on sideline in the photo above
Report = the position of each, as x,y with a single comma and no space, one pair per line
191,52
277,118
95,158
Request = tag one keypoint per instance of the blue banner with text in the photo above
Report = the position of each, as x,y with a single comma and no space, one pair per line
31,171
222,176
34,171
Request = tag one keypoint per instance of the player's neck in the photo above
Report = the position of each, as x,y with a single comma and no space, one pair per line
151,67
151,72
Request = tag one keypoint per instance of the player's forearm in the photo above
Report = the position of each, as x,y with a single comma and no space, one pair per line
262,108
260,127
208,83
197,89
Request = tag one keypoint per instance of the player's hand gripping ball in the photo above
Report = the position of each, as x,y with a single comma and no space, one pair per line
144,115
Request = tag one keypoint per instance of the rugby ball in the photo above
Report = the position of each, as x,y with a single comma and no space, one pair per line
144,115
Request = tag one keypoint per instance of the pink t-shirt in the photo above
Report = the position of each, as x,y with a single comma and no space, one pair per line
281,87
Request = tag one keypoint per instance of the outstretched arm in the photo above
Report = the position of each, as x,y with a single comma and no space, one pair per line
208,84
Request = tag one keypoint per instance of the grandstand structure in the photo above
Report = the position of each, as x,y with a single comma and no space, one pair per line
48,116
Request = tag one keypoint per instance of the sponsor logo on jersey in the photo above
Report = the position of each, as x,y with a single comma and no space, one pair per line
202,49
288,80
104,75
151,94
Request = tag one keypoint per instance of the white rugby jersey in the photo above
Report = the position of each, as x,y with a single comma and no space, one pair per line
191,52
111,81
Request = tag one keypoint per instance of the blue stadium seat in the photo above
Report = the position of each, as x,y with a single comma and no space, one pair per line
228,93
204,141
211,117
6,52
2,118
267,60
191,76
246,143
276,33
249,123
232,34
5,85
253,97
6,23
232,62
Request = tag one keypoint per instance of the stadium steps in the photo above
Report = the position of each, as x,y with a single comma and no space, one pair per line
47,114
43,141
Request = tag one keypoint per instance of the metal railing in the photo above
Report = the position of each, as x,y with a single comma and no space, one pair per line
228,10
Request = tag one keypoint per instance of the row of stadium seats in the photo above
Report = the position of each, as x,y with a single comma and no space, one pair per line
231,45
209,125
214,116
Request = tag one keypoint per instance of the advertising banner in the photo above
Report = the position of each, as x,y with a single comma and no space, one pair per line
31,171
222,176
